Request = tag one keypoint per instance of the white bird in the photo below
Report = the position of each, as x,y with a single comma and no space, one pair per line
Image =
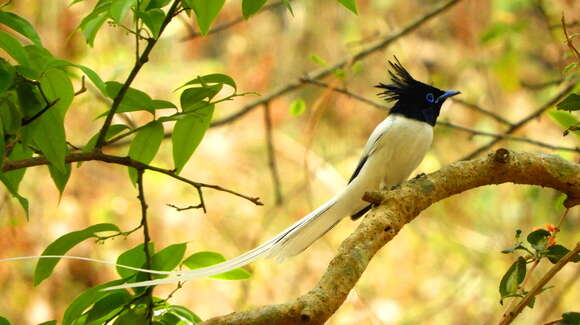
394,149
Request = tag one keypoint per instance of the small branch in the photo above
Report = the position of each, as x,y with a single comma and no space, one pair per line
132,75
191,207
345,92
508,137
125,161
39,113
522,122
399,207
83,87
323,72
513,313
272,155
483,111
569,40
146,241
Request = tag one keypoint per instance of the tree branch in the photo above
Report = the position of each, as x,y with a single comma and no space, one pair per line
125,161
509,316
399,207
323,72
144,58
523,121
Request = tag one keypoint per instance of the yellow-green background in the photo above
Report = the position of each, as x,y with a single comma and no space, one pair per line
444,268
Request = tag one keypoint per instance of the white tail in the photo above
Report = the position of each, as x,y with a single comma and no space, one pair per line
289,242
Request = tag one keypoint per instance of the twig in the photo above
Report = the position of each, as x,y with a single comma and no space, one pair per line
193,34
146,241
522,122
478,108
132,75
513,313
199,206
272,155
508,137
323,72
569,40
125,161
83,87
345,92
39,113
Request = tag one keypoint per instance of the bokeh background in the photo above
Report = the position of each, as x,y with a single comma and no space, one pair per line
444,268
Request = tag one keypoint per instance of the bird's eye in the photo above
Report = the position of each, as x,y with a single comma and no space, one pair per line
430,98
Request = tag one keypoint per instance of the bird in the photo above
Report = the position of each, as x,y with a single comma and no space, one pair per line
394,149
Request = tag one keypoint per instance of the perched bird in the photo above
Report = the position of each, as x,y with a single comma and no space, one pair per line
395,148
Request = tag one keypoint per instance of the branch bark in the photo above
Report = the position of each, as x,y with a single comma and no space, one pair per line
399,207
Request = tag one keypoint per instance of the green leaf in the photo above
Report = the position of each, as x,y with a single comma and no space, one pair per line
13,178
175,314
7,74
556,252
94,77
131,317
63,244
134,257
193,95
86,299
134,99
250,7
350,5
297,107
20,25
168,258
570,103
13,48
59,178
565,119
154,4
203,259
189,131
153,19
107,307
91,24
4,321
206,12
10,114
511,280
538,239
120,8
214,78
318,60
158,103
56,85
145,145
570,318
49,135
50,322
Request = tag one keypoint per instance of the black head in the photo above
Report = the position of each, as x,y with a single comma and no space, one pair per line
414,99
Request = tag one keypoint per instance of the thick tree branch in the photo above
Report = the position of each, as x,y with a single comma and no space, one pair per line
399,207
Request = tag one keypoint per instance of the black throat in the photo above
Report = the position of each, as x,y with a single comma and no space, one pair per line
428,116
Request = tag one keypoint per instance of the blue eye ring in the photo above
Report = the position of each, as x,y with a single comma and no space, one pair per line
430,98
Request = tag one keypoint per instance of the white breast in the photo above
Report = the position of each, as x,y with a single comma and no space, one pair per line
395,148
